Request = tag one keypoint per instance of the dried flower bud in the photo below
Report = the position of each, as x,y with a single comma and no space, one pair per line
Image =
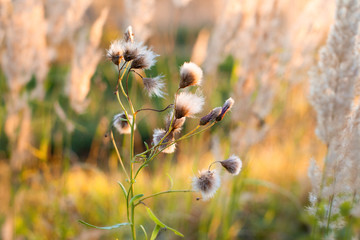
158,135
115,52
190,75
120,123
188,104
225,108
133,50
154,85
207,183
211,116
233,164
129,35
176,124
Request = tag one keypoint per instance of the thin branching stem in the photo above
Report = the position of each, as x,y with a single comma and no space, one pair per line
118,154
161,193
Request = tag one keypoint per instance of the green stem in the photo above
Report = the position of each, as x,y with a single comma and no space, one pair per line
161,193
118,154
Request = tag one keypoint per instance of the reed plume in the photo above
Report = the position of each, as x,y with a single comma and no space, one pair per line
332,84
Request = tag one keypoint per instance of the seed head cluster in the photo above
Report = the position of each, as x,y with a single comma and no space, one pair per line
154,86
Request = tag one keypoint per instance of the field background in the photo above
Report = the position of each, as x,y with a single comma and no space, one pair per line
56,166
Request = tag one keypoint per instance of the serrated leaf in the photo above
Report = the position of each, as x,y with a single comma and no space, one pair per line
155,232
134,198
107,227
161,224
146,236
123,189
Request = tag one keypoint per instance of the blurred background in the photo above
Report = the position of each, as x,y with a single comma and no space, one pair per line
57,102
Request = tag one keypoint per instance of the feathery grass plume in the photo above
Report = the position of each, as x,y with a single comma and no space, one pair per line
332,80
158,135
233,164
84,62
129,35
139,14
332,85
227,23
190,75
19,42
115,52
121,124
177,123
225,108
154,85
188,104
211,116
207,183
65,18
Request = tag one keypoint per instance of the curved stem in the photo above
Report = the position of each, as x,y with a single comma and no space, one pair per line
161,193
118,154
213,164
155,110
137,73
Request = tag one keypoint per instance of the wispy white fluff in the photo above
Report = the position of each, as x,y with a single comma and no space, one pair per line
188,104
233,164
154,86
158,135
190,75
120,123
207,183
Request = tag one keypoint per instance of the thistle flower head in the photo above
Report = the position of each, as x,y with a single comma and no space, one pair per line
190,75
154,85
177,123
115,52
144,59
225,108
233,164
120,123
158,135
188,104
211,116
206,183
129,35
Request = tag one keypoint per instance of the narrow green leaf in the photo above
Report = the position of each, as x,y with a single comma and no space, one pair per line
146,145
161,224
146,236
134,198
123,189
155,232
105,228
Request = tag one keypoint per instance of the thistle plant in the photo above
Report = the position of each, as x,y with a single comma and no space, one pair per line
129,57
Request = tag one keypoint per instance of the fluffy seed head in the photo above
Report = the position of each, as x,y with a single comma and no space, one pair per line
212,115
158,135
176,124
115,52
145,59
225,108
120,123
190,75
188,104
207,183
154,85
129,35
233,164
